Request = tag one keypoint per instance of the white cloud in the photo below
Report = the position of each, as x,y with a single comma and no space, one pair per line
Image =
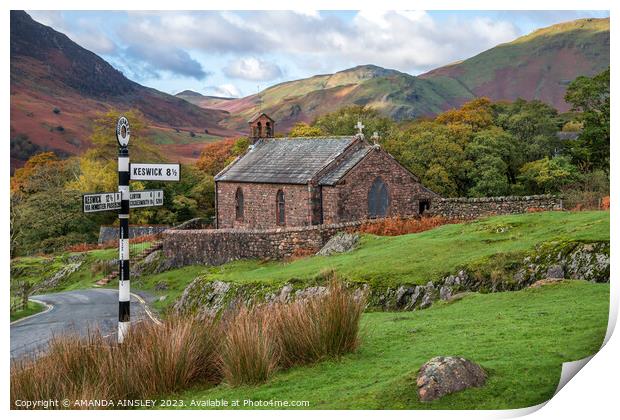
226,90
410,41
252,68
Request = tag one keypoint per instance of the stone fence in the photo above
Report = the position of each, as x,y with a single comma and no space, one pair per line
219,246
188,245
471,208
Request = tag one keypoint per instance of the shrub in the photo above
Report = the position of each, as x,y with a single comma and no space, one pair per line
395,226
56,110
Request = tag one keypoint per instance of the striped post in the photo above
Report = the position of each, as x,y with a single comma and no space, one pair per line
123,244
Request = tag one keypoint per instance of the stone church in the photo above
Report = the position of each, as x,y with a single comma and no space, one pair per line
287,182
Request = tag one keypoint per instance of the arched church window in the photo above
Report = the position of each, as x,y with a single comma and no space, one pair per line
239,204
280,208
378,199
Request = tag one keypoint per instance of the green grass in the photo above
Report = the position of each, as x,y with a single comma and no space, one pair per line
415,258
418,258
31,309
520,338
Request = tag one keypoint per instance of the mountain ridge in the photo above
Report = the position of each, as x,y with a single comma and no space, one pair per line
538,65
58,88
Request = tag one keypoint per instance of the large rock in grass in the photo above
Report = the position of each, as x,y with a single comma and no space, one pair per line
341,242
447,374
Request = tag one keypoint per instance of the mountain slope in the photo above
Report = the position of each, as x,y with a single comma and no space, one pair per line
536,66
50,72
203,101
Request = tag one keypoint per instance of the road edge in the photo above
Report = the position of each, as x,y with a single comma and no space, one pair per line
150,314
48,306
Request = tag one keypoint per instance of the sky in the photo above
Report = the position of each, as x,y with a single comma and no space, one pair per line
236,53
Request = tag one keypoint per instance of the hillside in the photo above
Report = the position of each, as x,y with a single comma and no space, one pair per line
203,101
536,66
49,71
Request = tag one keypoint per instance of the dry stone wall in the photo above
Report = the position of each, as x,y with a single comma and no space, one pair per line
110,233
471,208
219,246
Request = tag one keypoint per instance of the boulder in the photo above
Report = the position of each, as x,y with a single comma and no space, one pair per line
341,242
447,374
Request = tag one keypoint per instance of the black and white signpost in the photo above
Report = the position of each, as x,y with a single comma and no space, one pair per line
122,201
124,297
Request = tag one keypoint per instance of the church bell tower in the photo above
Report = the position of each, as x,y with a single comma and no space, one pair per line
261,126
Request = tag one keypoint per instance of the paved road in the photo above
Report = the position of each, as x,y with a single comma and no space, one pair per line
74,311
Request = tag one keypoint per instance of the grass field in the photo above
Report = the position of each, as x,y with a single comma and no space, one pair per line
520,338
31,309
413,258
420,257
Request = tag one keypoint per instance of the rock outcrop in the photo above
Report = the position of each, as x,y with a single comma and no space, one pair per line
572,260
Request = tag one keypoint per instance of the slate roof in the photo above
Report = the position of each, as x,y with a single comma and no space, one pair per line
258,114
334,175
287,160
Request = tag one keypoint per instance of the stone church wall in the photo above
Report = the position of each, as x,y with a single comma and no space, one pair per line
259,202
471,208
348,200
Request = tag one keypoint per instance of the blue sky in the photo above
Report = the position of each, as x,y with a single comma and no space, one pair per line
235,53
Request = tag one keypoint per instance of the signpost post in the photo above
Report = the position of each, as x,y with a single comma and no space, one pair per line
122,201
124,296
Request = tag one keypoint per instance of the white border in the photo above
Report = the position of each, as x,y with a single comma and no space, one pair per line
592,393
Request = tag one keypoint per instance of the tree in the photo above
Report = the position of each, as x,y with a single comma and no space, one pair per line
590,96
302,129
475,114
534,126
493,155
548,175
434,152
41,172
217,155
343,121
99,164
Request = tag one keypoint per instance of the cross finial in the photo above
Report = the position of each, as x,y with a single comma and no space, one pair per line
375,136
360,127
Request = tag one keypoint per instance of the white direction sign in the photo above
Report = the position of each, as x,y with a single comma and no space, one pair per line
146,198
155,171
101,202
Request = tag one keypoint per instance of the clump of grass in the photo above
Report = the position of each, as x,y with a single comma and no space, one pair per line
154,360
245,346
320,326
249,353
